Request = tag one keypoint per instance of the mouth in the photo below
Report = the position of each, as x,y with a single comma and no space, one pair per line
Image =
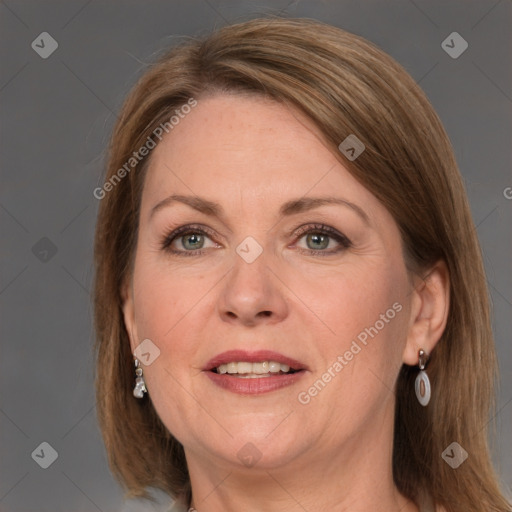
248,370
253,372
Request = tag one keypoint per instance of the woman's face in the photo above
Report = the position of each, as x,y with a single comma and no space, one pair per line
322,285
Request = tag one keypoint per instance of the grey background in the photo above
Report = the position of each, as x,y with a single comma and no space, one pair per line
56,117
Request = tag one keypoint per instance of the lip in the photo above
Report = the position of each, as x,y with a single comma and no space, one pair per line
254,386
248,386
253,357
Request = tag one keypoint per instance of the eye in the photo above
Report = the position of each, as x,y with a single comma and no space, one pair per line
188,239
318,238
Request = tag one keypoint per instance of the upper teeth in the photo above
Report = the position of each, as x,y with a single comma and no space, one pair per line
258,368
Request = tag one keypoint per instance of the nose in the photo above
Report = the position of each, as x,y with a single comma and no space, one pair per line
253,293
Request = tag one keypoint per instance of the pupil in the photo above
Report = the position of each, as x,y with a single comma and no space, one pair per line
317,238
195,238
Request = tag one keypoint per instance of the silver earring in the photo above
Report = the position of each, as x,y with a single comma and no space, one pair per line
422,384
140,385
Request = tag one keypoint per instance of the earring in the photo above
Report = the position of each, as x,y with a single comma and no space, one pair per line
140,385
422,384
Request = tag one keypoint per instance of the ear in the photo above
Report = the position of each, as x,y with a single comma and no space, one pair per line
128,307
429,312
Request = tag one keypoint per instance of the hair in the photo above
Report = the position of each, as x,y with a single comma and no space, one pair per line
345,85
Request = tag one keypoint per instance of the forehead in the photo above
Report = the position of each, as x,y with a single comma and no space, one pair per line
239,132
234,144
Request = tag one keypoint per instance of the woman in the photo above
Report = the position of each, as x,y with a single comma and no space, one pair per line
291,306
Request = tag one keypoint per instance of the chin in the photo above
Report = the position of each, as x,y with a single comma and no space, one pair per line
252,449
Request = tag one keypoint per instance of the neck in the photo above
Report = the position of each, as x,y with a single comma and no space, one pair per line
357,478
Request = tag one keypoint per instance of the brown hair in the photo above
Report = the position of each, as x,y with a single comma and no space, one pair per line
345,85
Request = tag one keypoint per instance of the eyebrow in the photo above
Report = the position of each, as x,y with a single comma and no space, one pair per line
289,208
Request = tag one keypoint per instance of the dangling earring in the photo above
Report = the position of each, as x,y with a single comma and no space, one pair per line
140,385
422,384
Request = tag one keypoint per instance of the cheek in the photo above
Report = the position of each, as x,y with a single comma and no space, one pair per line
355,299
161,309
163,298
366,315
164,303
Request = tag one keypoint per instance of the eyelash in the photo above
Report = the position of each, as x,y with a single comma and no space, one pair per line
344,242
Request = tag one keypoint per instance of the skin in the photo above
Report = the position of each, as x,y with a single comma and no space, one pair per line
250,155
